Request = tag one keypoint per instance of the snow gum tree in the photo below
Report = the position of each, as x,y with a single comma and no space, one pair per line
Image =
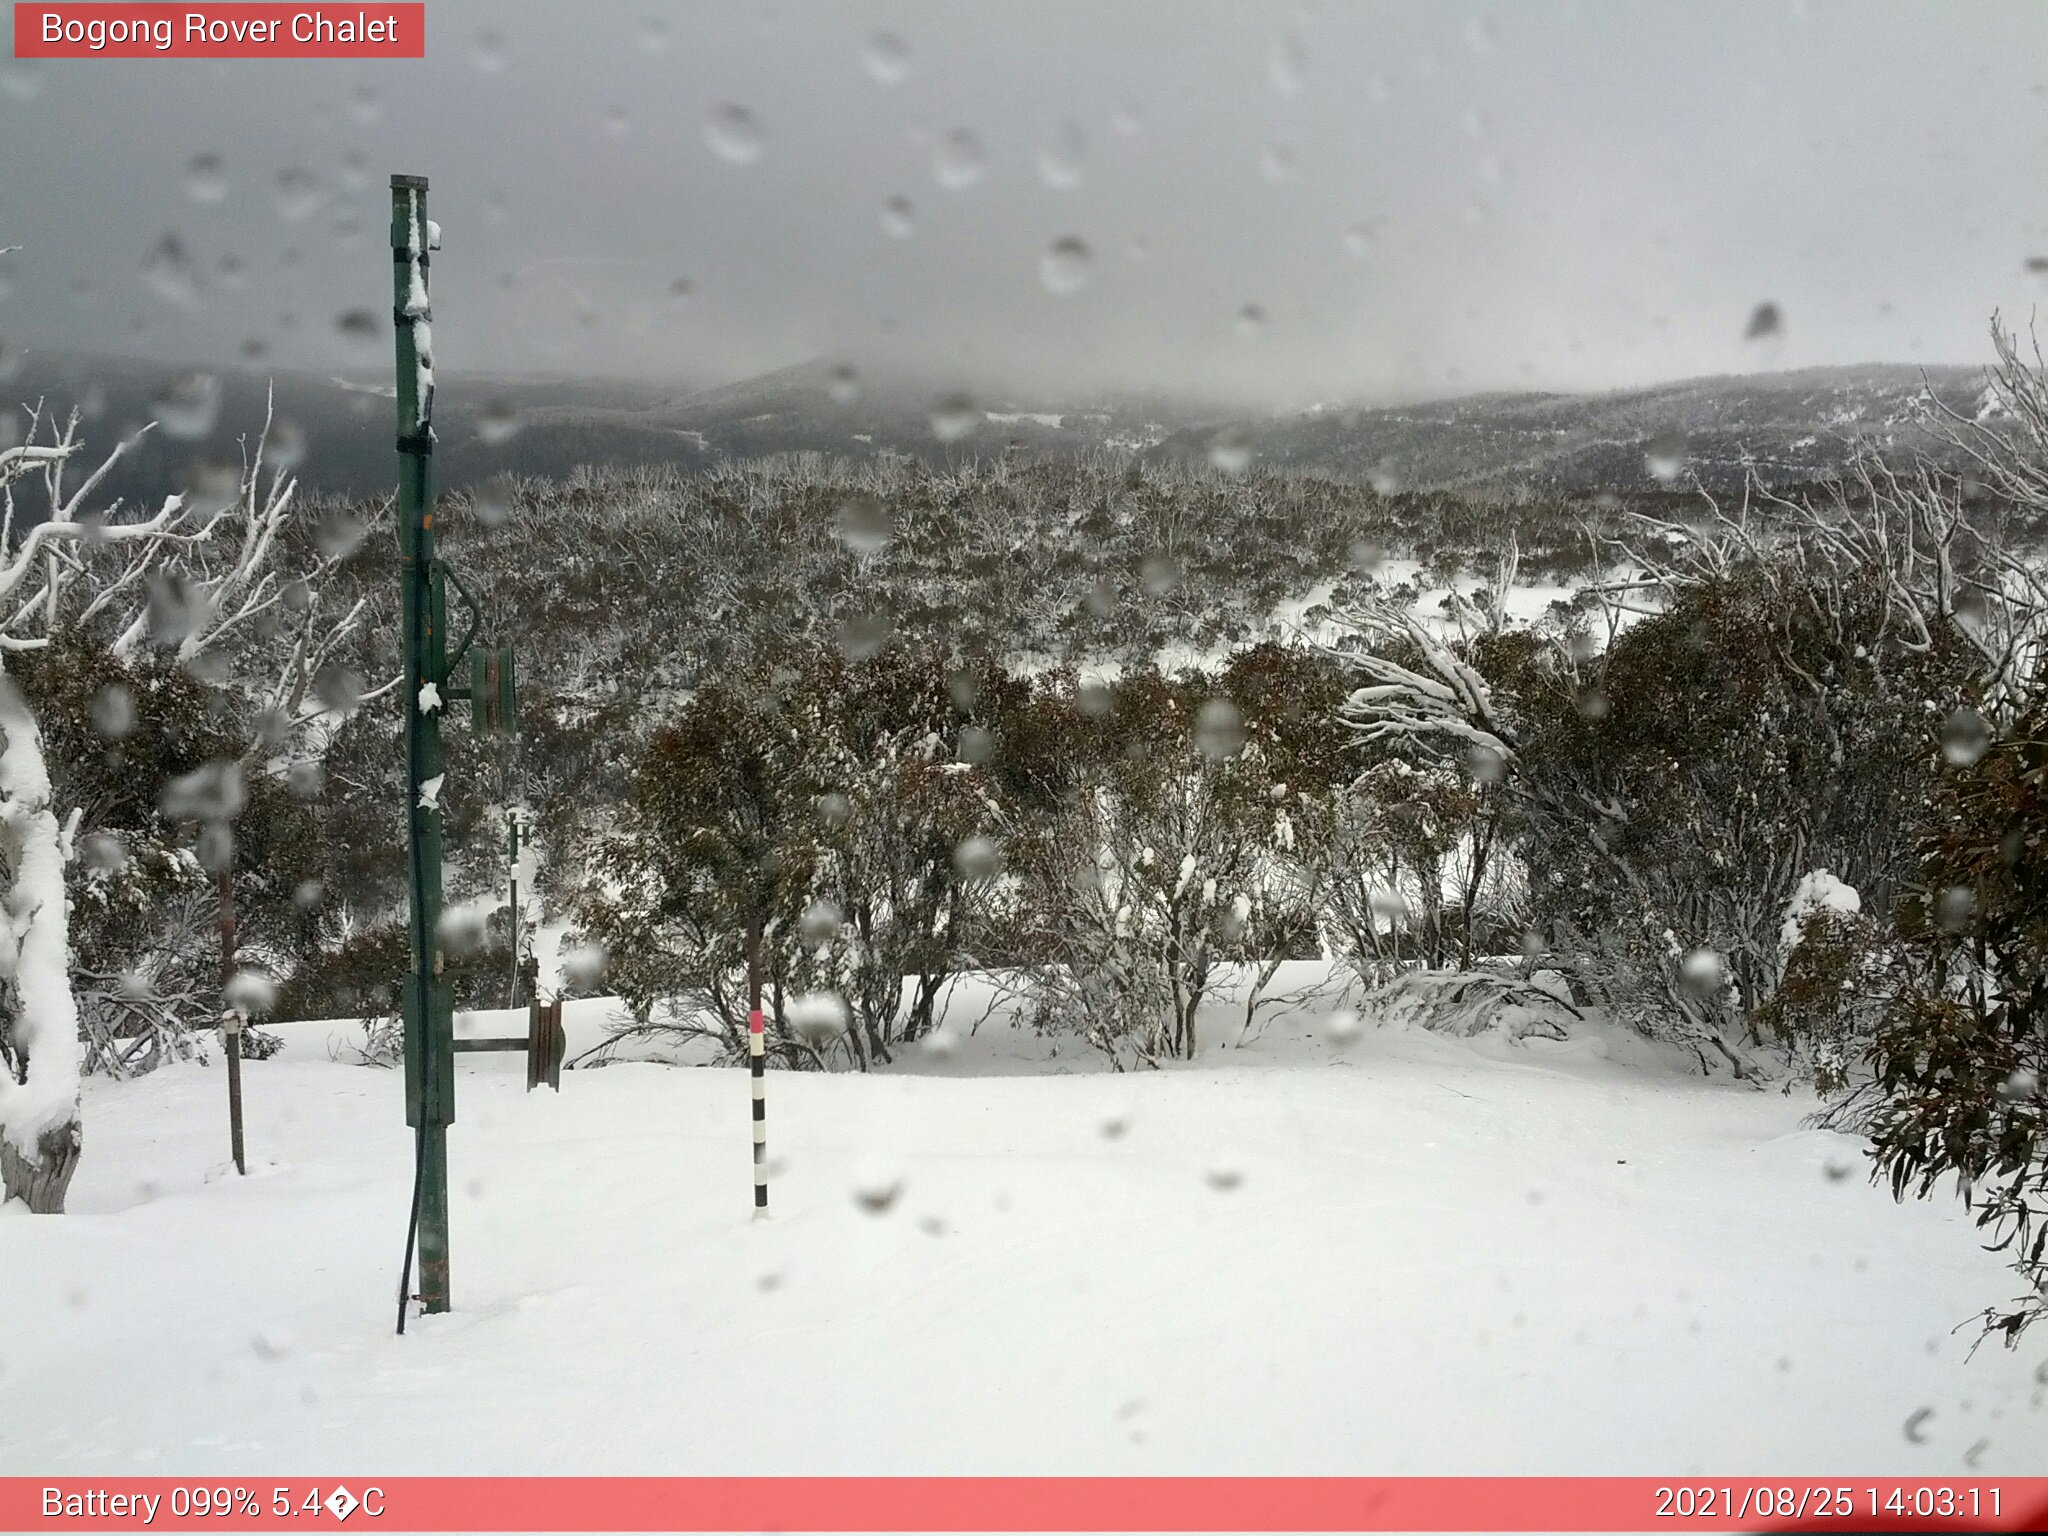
199,580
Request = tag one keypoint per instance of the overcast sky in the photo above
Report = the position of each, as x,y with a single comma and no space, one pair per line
1418,199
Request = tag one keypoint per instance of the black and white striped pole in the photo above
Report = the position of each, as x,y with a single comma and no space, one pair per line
757,1062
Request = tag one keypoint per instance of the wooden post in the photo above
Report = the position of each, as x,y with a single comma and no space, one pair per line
231,1014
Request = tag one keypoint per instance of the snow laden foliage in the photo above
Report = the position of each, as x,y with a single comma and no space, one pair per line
116,624
1779,788
826,812
1471,1002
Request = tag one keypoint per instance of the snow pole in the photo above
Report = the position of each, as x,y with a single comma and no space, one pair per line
757,1062
429,1012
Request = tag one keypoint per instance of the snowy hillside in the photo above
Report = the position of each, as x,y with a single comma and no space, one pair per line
1301,1254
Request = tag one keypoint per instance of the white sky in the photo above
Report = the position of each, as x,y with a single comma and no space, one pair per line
1562,195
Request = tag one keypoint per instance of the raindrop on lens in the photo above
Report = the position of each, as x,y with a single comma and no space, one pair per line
864,636
820,922
843,385
1230,452
1280,162
170,274
1955,909
339,689
899,218
863,525
1061,163
113,711
496,423
1251,319
1287,65
1965,738
977,744
877,1187
1664,456
886,58
817,1018
977,858
1359,236
286,446
1765,320
1064,266
953,417
488,53
188,406
205,182
1701,972
339,534
959,161
297,193
1219,730
583,965
734,135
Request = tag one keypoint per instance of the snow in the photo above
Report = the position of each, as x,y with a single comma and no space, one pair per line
1817,891
420,312
34,936
1404,1254
430,792
430,698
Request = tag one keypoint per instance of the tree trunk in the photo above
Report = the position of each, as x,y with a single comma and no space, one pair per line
41,1185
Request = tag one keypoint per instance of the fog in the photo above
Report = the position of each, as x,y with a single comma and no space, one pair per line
1269,203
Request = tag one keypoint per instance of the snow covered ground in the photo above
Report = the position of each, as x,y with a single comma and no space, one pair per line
1404,1254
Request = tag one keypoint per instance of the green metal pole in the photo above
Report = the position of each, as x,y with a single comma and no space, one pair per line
429,1021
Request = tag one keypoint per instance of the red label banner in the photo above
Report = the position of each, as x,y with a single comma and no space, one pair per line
1025,1504
214,31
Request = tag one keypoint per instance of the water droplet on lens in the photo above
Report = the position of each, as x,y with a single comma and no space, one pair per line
1160,574
1287,65
1280,162
734,134
205,182
188,406
1065,265
1765,320
169,271
953,417
1219,730
817,1018
877,1186
899,218
977,858
496,423
297,194
1230,451
1965,738
488,53
1359,236
863,525
843,384
1702,972
1664,456
959,161
113,711
864,636
1062,162
886,58
1251,319
820,922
